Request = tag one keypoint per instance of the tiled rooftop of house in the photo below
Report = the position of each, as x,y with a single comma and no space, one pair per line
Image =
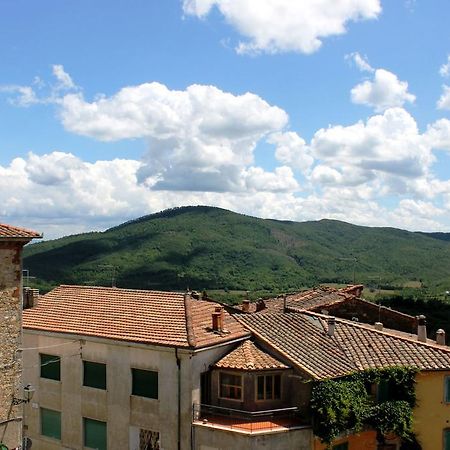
302,339
10,232
248,356
311,299
150,317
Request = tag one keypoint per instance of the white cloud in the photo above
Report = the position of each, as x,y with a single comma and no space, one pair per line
383,92
24,96
362,63
64,79
276,26
444,100
438,134
200,139
444,70
292,150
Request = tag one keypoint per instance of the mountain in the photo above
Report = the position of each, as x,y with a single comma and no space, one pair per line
210,248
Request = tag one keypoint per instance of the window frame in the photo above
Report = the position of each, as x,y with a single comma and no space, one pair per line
265,376
140,394
241,386
89,419
57,359
41,423
104,386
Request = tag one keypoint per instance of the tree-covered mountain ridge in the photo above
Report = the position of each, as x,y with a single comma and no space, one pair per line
203,247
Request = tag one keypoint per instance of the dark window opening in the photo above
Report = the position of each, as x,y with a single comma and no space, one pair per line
230,386
94,374
50,366
145,383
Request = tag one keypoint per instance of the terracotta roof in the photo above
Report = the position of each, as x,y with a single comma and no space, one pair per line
247,356
302,338
314,298
10,232
151,317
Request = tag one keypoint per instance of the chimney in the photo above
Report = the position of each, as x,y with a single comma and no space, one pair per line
331,325
378,326
260,305
422,329
246,306
217,319
30,297
440,337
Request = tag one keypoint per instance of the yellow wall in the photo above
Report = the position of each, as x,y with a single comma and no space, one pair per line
431,415
366,440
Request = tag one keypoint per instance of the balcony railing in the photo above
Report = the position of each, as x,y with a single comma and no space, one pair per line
247,421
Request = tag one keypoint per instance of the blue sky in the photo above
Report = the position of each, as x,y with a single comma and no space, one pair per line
293,110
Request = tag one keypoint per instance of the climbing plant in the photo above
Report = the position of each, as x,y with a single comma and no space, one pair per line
348,403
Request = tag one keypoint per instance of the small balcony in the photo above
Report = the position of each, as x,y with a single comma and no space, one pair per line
248,421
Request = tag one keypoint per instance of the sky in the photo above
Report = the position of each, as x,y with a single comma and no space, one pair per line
294,110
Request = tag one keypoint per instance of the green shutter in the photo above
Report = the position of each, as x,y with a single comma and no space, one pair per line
50,366
51,423
447,439
94,434
145,383
94,375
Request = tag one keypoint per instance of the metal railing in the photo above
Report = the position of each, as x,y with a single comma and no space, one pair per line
247,421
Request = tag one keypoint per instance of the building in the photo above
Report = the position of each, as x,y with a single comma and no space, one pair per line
12,240
117,369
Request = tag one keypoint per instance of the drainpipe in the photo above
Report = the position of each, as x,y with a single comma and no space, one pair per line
179,397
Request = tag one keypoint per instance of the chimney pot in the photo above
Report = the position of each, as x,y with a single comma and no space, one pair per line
246,306
217,319
30,297
440,337
260,305
422,329
331,326
378,326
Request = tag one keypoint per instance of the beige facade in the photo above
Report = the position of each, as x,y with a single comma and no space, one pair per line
125,414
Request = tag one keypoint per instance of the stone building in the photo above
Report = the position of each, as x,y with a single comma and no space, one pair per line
12,240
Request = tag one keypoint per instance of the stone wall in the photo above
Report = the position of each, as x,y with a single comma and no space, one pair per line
10,338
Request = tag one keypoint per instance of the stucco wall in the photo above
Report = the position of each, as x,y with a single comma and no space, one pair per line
10,335
209,438
366,440
432,414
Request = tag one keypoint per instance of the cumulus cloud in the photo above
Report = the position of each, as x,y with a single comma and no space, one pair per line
444,100
199,139
292,150
384,91
444,70
64,79
276,26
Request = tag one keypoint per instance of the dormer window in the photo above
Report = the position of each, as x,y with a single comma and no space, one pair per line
268,387
230,386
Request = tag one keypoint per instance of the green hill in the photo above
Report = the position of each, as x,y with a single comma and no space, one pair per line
211,248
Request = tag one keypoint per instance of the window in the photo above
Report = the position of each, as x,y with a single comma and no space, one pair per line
230,386
148,440
447,439
94,375
268,387
145,383
343,446
50,367
447,389
383,391
94,434
51,423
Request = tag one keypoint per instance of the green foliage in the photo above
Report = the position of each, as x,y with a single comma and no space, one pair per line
211,248
346,404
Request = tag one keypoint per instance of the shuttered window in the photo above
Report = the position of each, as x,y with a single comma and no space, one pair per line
94,374
51,423
144,383
50,366
94,434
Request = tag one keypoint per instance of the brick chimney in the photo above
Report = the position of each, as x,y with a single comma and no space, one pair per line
331,325
246,306
422,329
30,297
217,319
260,305
440,337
